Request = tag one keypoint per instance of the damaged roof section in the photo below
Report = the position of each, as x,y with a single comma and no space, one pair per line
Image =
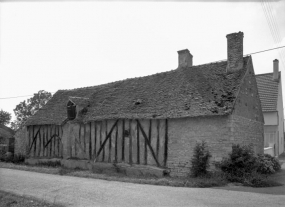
203,90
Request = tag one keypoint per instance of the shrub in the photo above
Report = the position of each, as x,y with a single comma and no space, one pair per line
267,165
200,160
18,158
243,166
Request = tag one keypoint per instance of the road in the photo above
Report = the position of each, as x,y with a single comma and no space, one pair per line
74,191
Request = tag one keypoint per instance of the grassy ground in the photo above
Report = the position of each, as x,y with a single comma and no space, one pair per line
213,181
13,200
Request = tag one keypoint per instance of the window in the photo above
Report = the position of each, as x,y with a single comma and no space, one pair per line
269,139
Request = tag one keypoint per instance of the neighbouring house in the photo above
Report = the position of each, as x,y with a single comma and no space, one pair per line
155,120
270,92
6,140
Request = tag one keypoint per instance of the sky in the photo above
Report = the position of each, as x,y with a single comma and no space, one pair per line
52,45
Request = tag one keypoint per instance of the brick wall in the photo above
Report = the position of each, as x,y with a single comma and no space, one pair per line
185,133
219,132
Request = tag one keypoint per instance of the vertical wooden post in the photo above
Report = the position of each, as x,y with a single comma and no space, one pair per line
40,142
44,140
90,141
84,137
123,141
101,126
145,152
166,143
138,144
116,145
58,142
95,139
28,144
130,143
35,142
157,142
54,139
50,143
110,145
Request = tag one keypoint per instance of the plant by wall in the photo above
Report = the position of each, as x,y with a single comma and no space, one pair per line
200,160
244,166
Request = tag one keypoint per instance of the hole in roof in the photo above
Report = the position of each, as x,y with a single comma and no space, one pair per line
138,102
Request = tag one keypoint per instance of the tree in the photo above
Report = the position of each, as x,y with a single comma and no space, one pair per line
29,107
5,117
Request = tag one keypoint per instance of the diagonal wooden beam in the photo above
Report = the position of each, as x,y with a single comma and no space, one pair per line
34,138
53,136
148,143
106,139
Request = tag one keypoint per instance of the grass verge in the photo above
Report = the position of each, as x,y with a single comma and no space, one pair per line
10,199
204,182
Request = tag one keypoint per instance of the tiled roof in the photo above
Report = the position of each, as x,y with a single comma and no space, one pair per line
268,91
203,90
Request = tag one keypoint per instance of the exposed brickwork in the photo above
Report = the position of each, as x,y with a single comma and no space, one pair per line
235,51
185,133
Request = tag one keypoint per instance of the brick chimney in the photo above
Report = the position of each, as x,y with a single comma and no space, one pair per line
276,70
185,59
235,51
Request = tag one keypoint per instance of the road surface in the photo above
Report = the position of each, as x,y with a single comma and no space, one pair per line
74,191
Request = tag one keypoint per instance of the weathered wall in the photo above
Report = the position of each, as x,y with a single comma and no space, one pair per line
125,141
20,141
185,133
44,141
219,132
246,131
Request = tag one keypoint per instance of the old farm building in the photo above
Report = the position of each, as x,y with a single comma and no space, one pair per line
155,120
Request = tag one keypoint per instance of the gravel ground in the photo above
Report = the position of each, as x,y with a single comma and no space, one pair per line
73,191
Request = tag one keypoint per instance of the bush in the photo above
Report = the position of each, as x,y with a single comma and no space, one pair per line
240,164
200,160
267,164
18,158
243,166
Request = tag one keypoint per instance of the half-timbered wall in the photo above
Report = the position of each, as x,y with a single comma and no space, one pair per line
44,141
130,141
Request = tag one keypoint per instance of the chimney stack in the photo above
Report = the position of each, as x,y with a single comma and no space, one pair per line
276,70
235,51
185,59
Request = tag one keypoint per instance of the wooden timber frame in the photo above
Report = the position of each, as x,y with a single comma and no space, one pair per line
45,141
132,141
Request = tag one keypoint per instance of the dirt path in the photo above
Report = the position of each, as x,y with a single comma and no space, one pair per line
73,191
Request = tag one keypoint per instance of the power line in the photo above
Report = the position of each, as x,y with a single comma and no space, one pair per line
265,50
274,30
20,96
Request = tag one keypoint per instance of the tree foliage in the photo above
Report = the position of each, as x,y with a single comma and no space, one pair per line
29,107
5,117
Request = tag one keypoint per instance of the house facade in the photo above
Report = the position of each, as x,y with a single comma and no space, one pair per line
155,120
270,91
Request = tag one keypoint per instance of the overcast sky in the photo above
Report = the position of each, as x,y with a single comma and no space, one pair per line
51,45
